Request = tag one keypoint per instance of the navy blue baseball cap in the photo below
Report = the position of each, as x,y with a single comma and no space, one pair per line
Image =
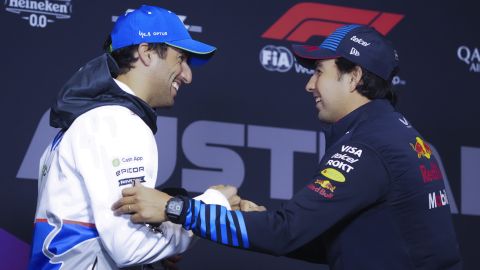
152,24
360,44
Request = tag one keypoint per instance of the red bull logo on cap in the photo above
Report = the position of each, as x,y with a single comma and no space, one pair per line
421,148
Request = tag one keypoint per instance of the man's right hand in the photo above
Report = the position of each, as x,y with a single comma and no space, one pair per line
249,206
230,192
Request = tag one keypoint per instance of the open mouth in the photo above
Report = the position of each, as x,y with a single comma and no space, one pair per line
176,86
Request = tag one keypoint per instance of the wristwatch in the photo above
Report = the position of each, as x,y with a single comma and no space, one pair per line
176,208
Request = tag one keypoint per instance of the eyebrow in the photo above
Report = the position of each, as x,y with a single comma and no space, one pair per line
184,53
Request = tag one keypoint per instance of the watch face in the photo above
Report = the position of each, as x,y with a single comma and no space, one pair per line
175,207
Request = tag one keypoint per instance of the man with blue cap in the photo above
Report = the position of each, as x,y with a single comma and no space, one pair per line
106,115
377,199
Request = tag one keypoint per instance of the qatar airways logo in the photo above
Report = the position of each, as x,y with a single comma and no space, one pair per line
469,56
40,13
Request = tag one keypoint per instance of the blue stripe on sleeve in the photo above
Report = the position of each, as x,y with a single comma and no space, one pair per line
188,219
223,224
233,230
203,228
195,214
213,217
243,228
57,139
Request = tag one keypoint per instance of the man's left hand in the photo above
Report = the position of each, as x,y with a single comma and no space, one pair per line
144,204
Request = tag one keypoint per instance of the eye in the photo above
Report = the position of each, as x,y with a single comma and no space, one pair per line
182,58
318,71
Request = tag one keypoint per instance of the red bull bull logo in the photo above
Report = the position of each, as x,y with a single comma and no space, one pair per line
421,148
326,184
325,187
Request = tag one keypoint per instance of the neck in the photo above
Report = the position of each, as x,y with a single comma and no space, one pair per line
354,102
135,85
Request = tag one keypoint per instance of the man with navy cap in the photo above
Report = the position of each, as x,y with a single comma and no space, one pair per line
106,142
377,199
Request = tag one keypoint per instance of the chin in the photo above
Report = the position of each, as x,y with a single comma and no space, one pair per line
324,118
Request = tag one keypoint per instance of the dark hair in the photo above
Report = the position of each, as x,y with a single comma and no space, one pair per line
125,57
371,85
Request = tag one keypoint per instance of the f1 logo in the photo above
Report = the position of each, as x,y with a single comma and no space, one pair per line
306,20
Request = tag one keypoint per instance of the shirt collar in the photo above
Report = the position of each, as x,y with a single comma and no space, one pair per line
347,124
124,87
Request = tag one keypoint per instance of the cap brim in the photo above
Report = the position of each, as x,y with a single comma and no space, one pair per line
200,52
306,55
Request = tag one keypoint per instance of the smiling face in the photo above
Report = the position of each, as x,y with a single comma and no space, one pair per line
334,93
167,75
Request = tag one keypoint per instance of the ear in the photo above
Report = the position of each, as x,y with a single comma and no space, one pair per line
355,78
144,54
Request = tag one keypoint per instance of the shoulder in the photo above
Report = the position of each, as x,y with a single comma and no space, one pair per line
110,127
111,121
389,130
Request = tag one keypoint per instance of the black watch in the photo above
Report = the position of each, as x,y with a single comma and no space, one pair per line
176,208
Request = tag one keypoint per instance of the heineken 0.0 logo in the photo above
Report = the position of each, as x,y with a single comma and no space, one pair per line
40,13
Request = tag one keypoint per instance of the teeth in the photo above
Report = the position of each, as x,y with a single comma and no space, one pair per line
317,99
175,85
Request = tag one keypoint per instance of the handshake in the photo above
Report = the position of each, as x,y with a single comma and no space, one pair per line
237,203
147,205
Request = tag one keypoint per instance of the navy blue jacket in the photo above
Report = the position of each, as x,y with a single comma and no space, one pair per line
377,201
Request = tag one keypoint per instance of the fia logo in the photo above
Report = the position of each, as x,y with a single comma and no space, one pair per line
276,58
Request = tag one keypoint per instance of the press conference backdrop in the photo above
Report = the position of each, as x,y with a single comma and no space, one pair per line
246,119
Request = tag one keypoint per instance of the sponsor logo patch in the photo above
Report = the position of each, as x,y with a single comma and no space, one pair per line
421,148
352,150
117,161
130,170
39,13
437,199
325,187
333,174
470,56
354,52
345,157
128,181
360,41
340,164
320,190
431,174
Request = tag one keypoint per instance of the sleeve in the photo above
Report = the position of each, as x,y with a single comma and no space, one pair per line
111,150
313,251
349,180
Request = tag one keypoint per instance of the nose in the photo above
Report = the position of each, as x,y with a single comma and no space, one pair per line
311,84
186,73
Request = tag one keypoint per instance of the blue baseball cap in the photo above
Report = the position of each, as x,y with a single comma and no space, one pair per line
360,44
152,24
